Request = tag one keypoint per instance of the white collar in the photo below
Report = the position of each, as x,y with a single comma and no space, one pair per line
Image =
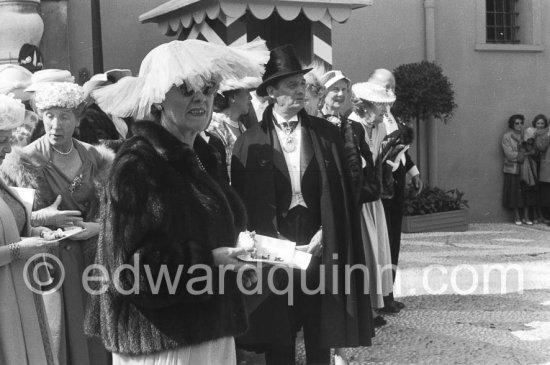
390,123
356,118
353,116
279,119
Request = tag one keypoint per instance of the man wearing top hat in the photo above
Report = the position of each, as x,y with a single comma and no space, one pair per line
291,173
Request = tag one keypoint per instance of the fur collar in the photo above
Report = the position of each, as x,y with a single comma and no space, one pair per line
22,167
175,152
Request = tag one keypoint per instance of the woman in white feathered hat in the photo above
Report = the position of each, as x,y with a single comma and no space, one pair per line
167,209
24,335
230,103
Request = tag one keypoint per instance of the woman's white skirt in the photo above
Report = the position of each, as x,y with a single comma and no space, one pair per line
377,249
216,352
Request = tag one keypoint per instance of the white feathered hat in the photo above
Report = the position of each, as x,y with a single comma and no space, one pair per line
99,80
15,79
313,77
193,62
246,83
12,112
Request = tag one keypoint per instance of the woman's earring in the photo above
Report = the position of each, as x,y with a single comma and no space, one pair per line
158,107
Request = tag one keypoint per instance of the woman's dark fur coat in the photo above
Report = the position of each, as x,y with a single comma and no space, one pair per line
161,205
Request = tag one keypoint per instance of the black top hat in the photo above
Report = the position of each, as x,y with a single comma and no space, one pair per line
282,63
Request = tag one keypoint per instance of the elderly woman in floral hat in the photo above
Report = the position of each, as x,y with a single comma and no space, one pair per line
66,175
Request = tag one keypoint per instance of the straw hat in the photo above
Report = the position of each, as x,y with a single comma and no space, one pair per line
373,92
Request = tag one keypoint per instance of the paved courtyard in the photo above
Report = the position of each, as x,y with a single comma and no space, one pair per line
475,297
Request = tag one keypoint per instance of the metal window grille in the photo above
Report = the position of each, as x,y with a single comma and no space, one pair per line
502,21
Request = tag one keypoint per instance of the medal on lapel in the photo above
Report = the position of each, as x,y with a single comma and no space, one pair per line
289,145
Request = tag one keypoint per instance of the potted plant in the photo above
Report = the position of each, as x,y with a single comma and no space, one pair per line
434,209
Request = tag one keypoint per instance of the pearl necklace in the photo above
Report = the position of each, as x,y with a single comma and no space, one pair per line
64,153
201,166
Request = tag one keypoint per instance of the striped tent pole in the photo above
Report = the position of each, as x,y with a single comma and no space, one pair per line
321,35
222,30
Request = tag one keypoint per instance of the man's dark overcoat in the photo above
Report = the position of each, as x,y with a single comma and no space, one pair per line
258,168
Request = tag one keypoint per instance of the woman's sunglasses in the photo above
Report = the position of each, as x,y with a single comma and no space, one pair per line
207,90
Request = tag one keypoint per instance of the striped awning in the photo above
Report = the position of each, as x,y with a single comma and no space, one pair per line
175,14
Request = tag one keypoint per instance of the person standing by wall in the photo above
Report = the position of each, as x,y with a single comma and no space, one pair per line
542,142
513,196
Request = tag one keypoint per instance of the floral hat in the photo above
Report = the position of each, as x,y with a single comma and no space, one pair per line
59,95
12,112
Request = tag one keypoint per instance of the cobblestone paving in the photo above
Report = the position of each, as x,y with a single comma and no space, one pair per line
482,243
463,329
460,330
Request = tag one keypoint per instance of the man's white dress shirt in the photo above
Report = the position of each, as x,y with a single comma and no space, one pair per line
292,158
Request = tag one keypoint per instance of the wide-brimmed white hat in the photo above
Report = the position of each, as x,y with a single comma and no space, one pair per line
15,79
99,80
332,77
12,112
373,92
246,83
45,77
193,62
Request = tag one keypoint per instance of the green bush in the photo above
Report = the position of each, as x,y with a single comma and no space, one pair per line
423,91
433,200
